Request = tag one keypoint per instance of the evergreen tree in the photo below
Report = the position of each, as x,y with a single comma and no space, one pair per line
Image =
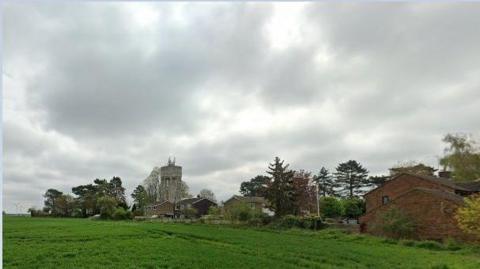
351,177
256,186
139,196
377,181
326,184
280,192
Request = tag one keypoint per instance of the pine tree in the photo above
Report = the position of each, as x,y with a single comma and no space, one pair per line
280,192
351,178
326,184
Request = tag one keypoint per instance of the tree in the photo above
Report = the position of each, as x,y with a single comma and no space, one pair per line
326,184
353,208
139,196
351,178
116,191
412,168
280,192
51,198
462,156
65,205
87,199
152,185
206,193
256,186
377,181
330,207
468,216
107,206
303,193
183,191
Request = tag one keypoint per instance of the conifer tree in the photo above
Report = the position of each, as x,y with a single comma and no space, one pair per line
280,192
351,178
326,184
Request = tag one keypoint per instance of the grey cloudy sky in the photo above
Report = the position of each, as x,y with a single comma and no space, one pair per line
95,90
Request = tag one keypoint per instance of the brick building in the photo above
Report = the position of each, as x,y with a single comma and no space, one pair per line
429,201
201,205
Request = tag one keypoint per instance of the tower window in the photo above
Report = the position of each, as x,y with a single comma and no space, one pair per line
385,199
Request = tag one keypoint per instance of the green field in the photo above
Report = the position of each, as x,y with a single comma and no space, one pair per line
82,243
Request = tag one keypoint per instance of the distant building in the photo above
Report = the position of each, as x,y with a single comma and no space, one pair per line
160,209
199,204
254,202
430,202
170,182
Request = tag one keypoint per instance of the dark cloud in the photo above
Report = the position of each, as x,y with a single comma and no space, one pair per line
97,90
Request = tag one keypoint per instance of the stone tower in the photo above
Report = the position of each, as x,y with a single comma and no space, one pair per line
170,182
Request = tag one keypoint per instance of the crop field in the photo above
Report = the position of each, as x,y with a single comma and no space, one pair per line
82,243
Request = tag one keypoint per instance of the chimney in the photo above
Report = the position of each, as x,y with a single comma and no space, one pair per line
445,174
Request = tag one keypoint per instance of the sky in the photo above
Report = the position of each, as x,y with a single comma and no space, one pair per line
96,90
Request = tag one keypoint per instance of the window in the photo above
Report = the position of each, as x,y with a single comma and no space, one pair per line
385,199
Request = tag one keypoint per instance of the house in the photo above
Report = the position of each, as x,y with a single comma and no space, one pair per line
201,206
430,202
160,209
254,202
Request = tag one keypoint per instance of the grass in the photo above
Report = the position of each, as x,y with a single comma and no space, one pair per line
82,243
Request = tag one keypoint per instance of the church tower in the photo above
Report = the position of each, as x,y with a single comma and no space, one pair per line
170,181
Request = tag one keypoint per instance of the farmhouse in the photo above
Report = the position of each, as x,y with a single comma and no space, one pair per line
199,204
430,202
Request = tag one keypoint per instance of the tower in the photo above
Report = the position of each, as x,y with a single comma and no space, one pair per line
170,181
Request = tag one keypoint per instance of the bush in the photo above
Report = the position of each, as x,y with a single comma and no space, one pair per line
291,221
331,207
120,214
397,225
353,208
468,216
241,212
107,206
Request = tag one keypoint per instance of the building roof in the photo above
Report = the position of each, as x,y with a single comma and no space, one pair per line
472,186
159,203
439,193
248,199
194,200
438,180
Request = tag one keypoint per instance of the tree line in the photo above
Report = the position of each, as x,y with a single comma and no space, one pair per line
294,192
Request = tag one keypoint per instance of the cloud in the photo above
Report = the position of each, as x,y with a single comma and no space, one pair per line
96,90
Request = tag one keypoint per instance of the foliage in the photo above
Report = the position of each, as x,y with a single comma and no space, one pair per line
81,243
462,156
51,197
206,193
189,212
121,214
256,186
353,208
352,178
240,212
468,216
326,183
140,197
397,225
107,206
280,192
331,207
304,193
152,185
214,211
302,222
412,168
37,213
377,181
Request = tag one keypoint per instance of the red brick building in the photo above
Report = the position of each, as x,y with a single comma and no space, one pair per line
430,202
